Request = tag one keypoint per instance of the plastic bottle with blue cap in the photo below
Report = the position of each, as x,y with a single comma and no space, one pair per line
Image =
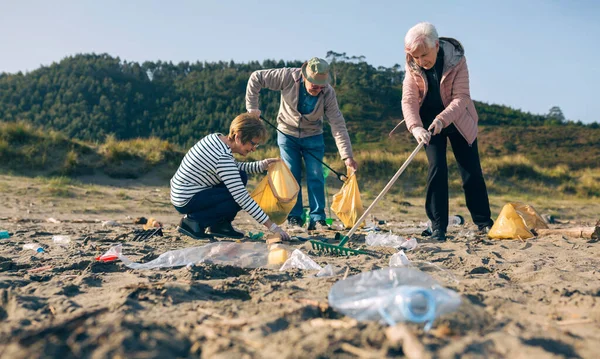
416,305
392,295
34,246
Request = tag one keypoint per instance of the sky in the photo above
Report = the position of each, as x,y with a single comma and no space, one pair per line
527,54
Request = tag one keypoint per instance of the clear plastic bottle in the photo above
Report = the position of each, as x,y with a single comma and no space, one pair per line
392,295
456,220
61,240
33,246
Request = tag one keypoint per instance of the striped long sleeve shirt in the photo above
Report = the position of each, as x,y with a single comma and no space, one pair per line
208,163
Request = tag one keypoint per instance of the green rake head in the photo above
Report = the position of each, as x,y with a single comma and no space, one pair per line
333,249
339,250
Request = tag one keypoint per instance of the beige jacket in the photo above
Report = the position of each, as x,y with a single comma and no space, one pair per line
454,88
289,120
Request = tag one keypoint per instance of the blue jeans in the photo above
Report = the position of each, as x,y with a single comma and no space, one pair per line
213,205
292,154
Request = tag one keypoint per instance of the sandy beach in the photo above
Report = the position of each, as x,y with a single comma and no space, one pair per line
537,298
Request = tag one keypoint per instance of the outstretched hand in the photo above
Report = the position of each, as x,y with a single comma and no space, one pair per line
274,228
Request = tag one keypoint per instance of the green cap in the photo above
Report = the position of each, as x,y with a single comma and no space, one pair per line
316,71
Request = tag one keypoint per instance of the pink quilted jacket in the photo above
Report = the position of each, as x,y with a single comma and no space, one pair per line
454,88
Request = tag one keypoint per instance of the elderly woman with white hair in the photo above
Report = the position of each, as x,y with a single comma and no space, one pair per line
437,107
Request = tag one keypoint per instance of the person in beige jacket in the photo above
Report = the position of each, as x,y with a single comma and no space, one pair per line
306,100
436,96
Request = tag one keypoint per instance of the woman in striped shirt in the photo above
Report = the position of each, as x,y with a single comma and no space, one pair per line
209,186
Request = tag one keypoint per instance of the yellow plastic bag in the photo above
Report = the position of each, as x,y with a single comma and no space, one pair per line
277,193
515,221
530,216
346,203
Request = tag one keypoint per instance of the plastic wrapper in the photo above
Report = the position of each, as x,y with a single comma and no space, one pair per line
300,260
390,240
244,255
399,260
327,271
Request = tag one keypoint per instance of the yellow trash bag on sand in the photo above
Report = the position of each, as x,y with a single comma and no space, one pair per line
277,193
515,221
346,203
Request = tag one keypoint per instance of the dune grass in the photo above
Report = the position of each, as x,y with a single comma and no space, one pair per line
151,151
31,151
58,186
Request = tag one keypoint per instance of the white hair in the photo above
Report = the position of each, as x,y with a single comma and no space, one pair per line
422,33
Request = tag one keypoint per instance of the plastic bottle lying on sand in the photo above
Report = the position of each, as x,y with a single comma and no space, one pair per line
33,246
4,234
61,240
392,295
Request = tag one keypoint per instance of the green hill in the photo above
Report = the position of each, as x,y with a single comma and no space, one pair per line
88,114
91,96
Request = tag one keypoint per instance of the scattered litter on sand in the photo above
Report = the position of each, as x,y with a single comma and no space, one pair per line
534,298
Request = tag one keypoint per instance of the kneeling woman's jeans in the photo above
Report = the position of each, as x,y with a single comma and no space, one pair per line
213,205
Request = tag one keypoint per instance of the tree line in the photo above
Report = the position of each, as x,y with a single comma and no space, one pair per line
92,96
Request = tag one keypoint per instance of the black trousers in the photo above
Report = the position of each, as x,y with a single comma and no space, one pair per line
213,205
467,158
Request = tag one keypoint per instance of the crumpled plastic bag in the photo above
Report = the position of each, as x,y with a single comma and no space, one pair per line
347,204
327,271
112,254
300,260
390,240
399,260
277,193
244,255
515,221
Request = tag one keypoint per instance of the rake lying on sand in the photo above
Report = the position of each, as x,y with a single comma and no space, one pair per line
340,249
141,234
